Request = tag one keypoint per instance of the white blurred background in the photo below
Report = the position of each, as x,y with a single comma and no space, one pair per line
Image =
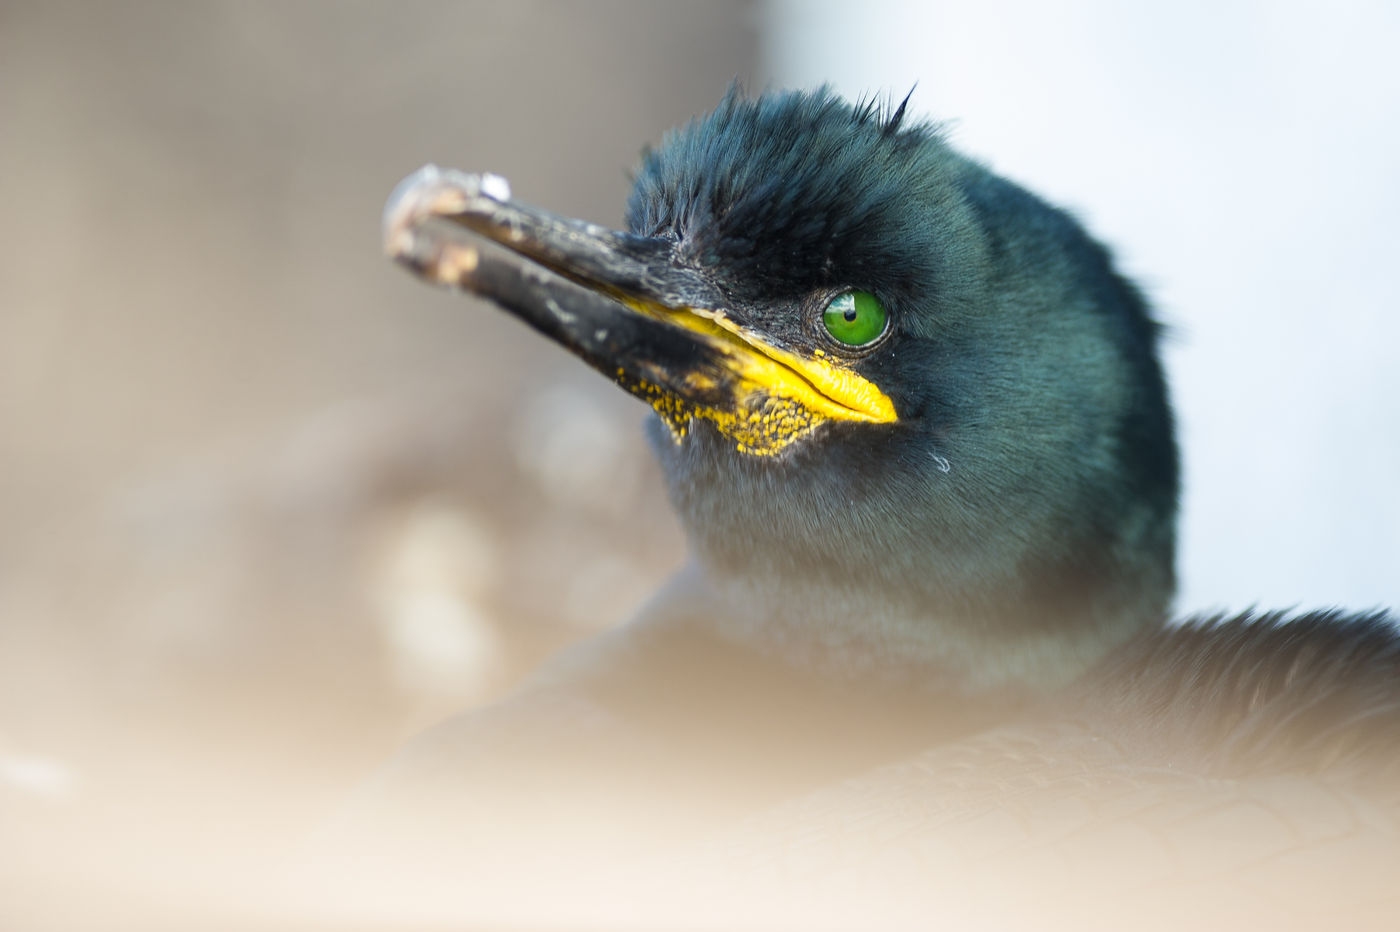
268,506
1241,160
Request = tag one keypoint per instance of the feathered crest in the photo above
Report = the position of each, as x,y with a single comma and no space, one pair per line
877,108
826,179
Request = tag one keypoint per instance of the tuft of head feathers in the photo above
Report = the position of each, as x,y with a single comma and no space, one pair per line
805,170
876,109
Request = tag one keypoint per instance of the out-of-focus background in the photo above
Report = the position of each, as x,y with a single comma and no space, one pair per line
268,506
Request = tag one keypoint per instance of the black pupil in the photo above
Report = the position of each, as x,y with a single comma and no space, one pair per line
850,314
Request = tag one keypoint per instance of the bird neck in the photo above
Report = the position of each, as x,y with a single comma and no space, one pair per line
887,579
905,637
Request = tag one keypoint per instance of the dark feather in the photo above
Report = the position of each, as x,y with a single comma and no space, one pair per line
1317,693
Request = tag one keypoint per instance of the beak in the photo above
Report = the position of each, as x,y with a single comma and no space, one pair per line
627,307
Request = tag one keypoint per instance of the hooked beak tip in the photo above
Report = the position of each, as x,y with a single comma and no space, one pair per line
430,193
433,192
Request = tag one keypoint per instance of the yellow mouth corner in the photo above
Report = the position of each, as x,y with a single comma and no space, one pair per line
779,396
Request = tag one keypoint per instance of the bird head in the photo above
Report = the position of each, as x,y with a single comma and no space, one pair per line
908,413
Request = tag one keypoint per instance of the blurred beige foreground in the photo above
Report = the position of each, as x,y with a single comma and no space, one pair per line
267,505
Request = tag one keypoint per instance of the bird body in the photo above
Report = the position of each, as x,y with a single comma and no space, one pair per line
915,428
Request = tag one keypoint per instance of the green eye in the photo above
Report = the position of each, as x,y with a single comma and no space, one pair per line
855,318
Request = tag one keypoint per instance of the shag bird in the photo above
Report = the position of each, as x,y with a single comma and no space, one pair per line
916,430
